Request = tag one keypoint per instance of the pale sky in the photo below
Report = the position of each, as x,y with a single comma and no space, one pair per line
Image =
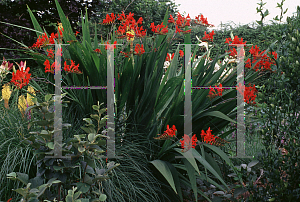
238,11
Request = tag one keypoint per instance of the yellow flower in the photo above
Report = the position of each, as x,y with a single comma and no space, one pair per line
60,26
22,105
130,35
29,97
6,92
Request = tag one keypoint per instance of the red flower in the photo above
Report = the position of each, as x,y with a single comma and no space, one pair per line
188,142
125,54
200,20
9,200
263,62
21,78
171,19
254,51
169,57
248,93
208,37
109,19
139,50
139,32
73,68
208,137
181,53
178,30
236,40
212,93
97,50
170,132
48,68
108,43
140,21
182,21
159,29
220,90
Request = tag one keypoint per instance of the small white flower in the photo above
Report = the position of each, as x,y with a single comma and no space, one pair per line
166,64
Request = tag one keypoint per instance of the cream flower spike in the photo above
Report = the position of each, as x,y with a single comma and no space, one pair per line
205,44
6,93
29,97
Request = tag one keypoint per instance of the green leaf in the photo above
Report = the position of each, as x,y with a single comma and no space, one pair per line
192,176
266,13
50,145
88,120
164,169
91,137
208,166
48,97
22,177
81,148
96,107
213,163
95,116
22,191
88,179
58,168
102,197
83,187
218,151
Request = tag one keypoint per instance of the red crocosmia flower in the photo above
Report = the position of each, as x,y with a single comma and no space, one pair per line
254,51
169,57
108,43
139,50
97,50
181,53
72,69
50,53
109,19
52,37
159,29
171,19
220,90
125,54
208,37
169,133
60,31
188,142
21,78
233,51
228,40
248,93
178,30
9,200
139,32
208,137
200,20
140,21
41,41
212,93
48,68
261,60
77,33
